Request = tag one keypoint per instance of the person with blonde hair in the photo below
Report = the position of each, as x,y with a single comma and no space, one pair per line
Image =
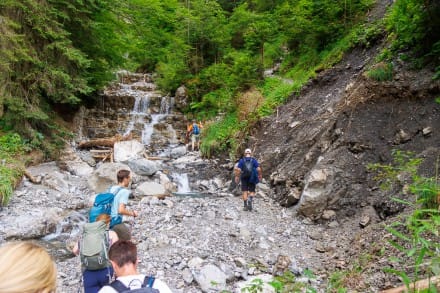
26,267
94,280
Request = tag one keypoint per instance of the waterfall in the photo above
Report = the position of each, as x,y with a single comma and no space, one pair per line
140,110
165,109
182,183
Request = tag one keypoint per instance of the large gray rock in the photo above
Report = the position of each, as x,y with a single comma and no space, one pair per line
210,277
314,196
124,151
150,188
33,224
144,167
105,176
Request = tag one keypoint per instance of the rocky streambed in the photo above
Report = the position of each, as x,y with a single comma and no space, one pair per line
205,243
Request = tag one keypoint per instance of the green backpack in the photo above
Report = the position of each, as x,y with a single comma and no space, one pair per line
94,246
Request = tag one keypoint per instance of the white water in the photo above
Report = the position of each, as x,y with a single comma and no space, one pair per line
182,183
68,228
140,110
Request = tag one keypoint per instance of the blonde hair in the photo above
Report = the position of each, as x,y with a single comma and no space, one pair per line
26,268
104,217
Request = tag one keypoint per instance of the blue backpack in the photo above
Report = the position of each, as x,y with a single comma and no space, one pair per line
103,204
196,129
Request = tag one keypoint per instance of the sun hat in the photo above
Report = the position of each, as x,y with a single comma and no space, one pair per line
248,151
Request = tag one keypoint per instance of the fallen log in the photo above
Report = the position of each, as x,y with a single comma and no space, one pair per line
103,142
31,178
417,286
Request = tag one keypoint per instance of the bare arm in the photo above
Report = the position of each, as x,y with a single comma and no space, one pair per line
122,210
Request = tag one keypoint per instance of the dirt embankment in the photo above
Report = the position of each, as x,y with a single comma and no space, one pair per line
320,143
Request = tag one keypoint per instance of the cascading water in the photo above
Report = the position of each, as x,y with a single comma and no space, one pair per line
182,183
139,112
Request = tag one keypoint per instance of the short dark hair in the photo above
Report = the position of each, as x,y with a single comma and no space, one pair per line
122,174
123,252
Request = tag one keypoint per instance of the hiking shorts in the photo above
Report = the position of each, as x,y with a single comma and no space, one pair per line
247,186
123,231
195,138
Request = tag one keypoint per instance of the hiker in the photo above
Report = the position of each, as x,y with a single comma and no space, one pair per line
194,130
26,267
119,206
123,256
95,279
249,172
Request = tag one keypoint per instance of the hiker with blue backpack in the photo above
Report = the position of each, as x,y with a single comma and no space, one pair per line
123,256
93,248
249,172
114,202
194,130
119,206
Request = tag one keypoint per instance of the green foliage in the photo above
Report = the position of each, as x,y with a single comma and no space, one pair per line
381,72
276,91
404,164
221,135
416,236
11,168
415,26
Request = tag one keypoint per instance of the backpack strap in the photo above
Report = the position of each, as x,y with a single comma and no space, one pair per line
119,286
149,281
117,191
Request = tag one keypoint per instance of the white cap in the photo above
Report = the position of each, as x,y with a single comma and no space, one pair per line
248,151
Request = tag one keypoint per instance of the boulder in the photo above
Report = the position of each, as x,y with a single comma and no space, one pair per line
127,150
144,167
105,176
150,189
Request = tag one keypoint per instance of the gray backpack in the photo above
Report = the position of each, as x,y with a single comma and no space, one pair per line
94,246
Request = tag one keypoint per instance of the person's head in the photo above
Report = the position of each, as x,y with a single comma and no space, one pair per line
247,152
104,217
123,252
26,268
123,175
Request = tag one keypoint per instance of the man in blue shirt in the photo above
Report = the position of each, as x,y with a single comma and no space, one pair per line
119,206
248,170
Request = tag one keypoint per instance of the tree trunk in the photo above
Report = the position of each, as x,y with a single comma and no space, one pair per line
103,142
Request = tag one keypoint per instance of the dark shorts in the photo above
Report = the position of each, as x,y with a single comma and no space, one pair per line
95,280
123,231
247,186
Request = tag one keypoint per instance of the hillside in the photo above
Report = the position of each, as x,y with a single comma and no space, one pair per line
316,150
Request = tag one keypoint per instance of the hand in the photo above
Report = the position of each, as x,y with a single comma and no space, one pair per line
135,214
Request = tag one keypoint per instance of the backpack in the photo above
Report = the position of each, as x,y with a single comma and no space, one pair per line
102,204
196,129
94,245
247,170
147,286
